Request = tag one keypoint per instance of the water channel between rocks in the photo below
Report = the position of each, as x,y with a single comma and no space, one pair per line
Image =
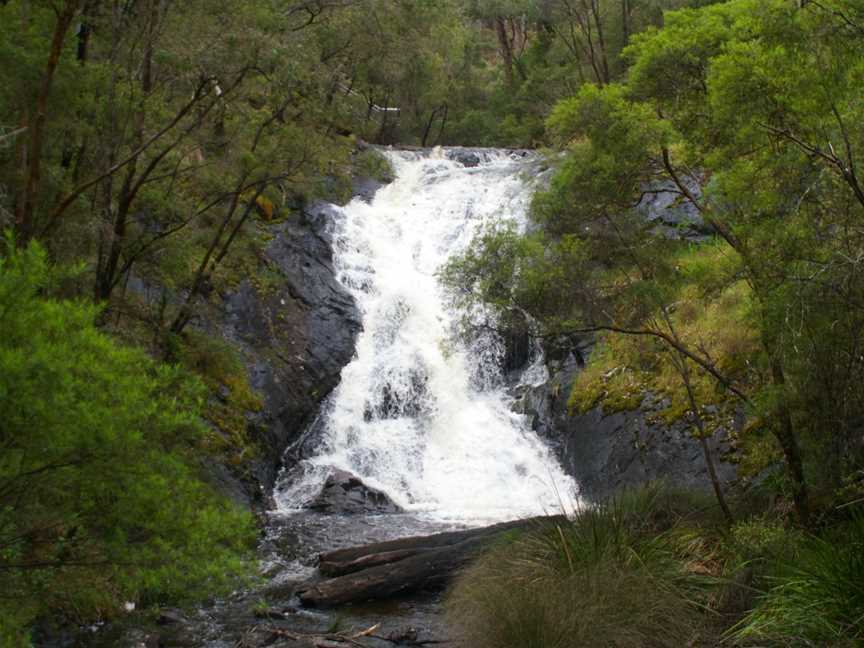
420,414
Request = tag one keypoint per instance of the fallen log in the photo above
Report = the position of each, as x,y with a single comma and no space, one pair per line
398,567
345,561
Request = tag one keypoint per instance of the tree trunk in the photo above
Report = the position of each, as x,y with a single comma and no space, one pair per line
387,569
784,432
601,40
625,20
505,49
684,370
26,202
107,273
421,571
215,253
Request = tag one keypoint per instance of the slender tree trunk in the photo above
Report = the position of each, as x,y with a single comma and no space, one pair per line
625,20
679,360
784,431
442,126
601,40
440,110
505,49
26,203
684,371
215,252
583,20
107,272
426,130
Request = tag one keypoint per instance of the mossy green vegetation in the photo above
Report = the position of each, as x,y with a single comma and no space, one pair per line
231,398
745,112
710,310
658,567
101,501
370,163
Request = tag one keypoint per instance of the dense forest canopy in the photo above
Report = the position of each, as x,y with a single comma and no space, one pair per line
152,142
750,112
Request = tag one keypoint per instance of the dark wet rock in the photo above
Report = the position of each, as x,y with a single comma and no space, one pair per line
365,188
674,215
346,493
606,452
465,157
295,334
518,342
294,326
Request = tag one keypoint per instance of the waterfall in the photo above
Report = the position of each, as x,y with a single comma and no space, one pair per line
418,413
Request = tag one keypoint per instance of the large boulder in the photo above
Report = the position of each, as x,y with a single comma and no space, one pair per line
606,451
365,188
465,157
345,493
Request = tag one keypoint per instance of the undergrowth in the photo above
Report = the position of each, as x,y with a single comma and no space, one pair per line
657,567
816,597
612,575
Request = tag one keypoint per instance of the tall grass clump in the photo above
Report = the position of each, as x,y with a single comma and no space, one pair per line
612,575
815,598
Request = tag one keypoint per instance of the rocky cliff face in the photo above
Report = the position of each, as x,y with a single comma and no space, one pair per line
294,336
294,339
607,451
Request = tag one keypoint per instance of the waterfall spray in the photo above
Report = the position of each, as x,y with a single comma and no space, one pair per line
419,413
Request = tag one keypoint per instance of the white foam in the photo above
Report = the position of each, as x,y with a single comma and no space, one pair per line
417,413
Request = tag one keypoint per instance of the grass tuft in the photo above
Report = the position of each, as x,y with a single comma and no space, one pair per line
816,597
614,575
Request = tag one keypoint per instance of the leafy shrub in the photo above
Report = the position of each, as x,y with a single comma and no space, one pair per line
372,164
100,501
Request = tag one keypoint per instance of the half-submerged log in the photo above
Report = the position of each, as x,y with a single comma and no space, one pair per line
398,567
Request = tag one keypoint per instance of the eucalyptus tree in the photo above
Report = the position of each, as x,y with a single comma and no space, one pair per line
748,111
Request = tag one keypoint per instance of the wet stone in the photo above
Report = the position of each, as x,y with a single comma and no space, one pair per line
345,493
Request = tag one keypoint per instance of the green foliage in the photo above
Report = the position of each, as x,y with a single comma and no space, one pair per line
749,111
817,597
618,571
610,143
371,164
232,398
654,567
100,498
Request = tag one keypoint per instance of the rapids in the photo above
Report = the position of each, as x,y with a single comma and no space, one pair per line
420,413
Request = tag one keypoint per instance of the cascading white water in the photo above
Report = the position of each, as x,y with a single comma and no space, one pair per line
418,414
